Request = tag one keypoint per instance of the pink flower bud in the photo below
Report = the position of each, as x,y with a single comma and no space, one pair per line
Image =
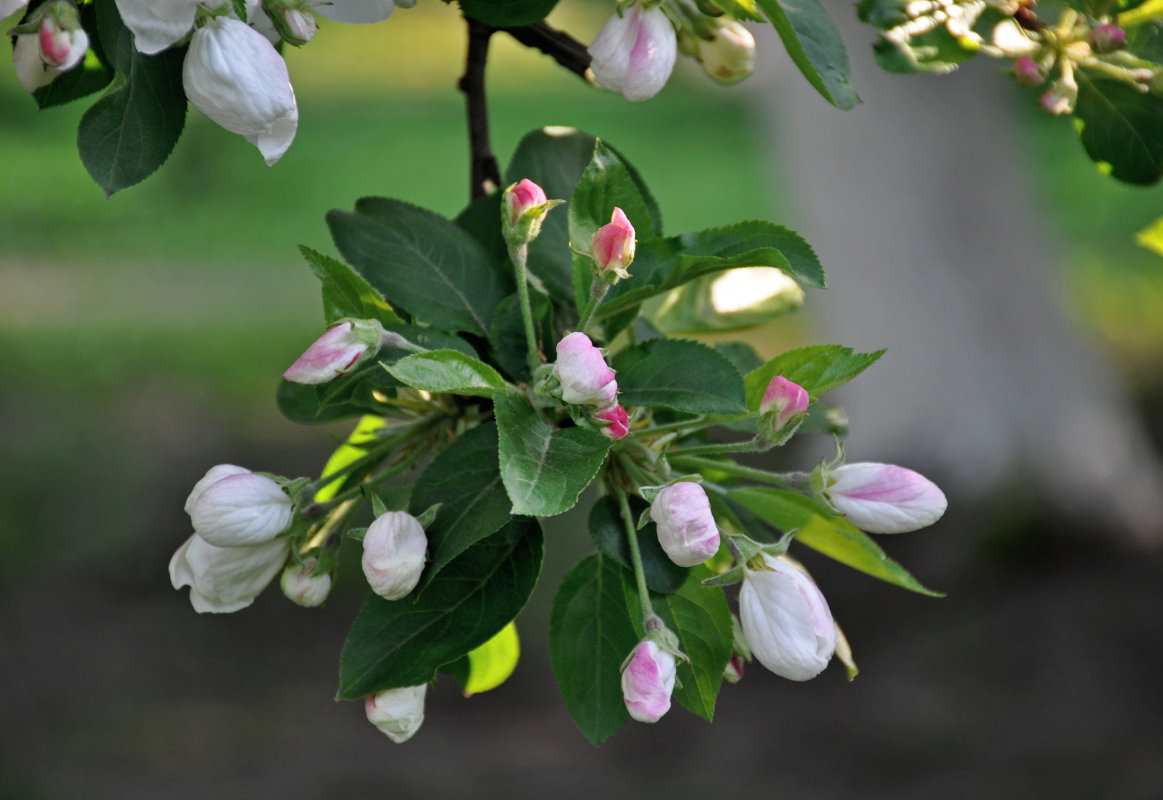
225,579
1027,72
582,371
57,46
634,53
1060,97
884,498
618,422
733,672
398,713
524,208
1107,38
303,588
783,407
613,245
686,527
786,620
393,554
522,197
233,507
648,681
337,351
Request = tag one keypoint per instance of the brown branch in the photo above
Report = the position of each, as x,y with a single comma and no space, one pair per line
558,45
484,173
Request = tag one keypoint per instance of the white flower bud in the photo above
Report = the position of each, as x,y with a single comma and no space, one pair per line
337,351
786,620
686,527
729,55
233,507
303,588
884,498
398,713
233,75
57,46
648,681
581,369
393,554
634,54
225,579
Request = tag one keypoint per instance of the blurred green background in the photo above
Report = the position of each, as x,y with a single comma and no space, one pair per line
142,336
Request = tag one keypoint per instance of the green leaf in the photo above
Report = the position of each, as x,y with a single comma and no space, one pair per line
93,74
1122,129
404,642
345,293
466,478
814,44
544,470
447,372
608,531
590,635
835,537
817,368
741,355
348,396
422,263
1151,237
126,135
680,374
507,336
507,13
699,616
664,264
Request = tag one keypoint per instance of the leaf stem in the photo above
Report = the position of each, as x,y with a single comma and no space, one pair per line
598,289
786,481
635,552
755,445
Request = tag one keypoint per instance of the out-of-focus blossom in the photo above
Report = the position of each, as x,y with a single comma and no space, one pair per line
634,53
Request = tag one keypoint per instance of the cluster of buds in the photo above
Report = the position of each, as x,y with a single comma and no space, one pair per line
635,51
586,379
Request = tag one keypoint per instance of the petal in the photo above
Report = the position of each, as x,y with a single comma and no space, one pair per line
157,24
355,11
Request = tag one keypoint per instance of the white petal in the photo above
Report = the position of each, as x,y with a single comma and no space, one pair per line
157,24
31,70
611,49
10,7
355,11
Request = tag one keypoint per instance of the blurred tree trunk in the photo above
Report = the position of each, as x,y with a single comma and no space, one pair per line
919,204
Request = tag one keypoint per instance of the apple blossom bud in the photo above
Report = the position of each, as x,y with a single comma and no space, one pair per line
613,245
338,350
686,527
295,24
729,55
582,371
884,498
1027,72
648,681
1060,97
783,408
56,44
523,209
617,422
393,554
233,75
634,53
304,588
733,672
786,620
1107,38
233,507
398,713
225,579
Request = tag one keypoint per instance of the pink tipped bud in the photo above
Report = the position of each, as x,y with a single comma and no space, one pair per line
295,24
634,53
617,422
337,351
582,371
304,588
686,527
58,45
523,209
1107,38
1027,72
884,498
783,408
613,245
521,197
233,507
786,620
398,713
1060,97
393,554
55,43
733,672
648,681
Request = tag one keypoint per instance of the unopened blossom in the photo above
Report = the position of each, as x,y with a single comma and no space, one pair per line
884,498
337,351
1107,38
233,75
524,207
617,422
398,713
1028,73
613,245
1013,40
648,681
1061,96
634,53
733,672
783,407
304,588
582,371
234,507
786,620
729,55
58,45
394,548
225,579
292,19
686,527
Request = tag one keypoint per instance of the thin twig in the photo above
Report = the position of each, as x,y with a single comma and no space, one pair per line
559,45
484,173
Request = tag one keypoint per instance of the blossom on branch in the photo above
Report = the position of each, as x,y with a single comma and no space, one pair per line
581,369
884,498
648,681
786,620
398,713
686,528
634,53
394,548
225,579
234,507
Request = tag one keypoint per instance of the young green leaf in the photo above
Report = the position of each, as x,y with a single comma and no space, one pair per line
608,531
680,374
835,537
467,480
544,470
814,44
345,292
404,642
422,263
817,368
590,635
447,372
